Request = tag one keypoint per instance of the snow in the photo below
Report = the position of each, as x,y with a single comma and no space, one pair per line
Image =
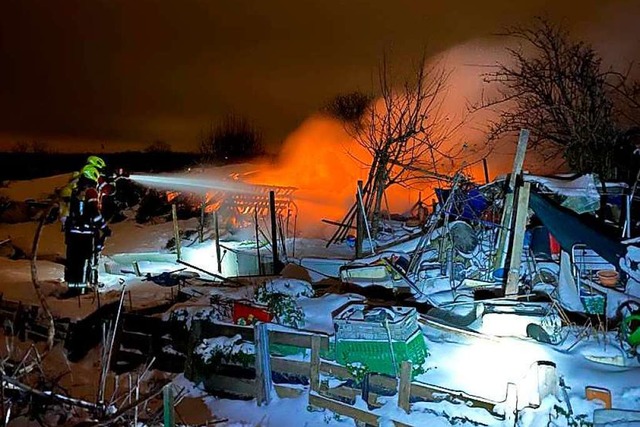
223,345
39,188
482,365
294,288
317,311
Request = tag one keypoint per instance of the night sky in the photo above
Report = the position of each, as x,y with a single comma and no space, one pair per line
126,73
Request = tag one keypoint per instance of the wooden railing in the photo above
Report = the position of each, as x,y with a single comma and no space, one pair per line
335,399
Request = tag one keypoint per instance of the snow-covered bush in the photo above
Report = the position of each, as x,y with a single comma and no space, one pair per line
225,350
358,371
280,297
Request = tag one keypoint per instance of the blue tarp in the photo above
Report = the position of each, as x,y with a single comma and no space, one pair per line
470,205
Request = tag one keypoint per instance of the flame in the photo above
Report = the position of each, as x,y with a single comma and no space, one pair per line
171,195
324,162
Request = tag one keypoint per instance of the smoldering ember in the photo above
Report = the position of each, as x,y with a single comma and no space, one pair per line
296,214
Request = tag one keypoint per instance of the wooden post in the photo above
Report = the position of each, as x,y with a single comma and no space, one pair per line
274,232
404,386
507,211
136,268
314,375
255,216
218,255
201,225
517,240
626,228
263,364
511,404
359,222
176,230
167,401
2,408
485,168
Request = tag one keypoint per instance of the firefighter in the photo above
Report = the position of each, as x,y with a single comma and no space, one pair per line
85,228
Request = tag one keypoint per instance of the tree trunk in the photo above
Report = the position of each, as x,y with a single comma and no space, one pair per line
379,187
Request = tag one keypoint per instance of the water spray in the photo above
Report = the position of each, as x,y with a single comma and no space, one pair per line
191,184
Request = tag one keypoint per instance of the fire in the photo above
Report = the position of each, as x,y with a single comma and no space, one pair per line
323,162
171,195
318,159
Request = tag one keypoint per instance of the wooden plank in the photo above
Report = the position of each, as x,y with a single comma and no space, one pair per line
343,394
335,370
285,392
384,382
348,410
232,385
517,240
436,323
434,393
262,364
136,340
518,161
404,389
288,366
297,339
314,377
419,391
507,211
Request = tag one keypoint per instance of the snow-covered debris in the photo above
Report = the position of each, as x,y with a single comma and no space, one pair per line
294,288
223,347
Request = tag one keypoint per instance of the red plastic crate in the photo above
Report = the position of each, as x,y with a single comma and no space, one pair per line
250,313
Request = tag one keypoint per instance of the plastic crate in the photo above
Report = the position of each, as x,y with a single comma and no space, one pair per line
248,314
593,304
377,356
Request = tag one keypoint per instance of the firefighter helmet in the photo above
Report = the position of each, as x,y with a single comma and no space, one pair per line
90,172
96,162
67,191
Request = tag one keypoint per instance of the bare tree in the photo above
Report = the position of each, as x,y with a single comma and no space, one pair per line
627,91
557,88
349,107
404,131
158,146
234,139
40,147
20,147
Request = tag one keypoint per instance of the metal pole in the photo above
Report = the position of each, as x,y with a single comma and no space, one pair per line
201,227
366,223
176,230
485,167
258,240
274,232
218,255
167,400
359,221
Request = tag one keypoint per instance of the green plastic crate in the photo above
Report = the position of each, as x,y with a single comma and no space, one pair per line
377,336
377,355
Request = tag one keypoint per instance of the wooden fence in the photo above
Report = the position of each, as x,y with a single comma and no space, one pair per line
338,399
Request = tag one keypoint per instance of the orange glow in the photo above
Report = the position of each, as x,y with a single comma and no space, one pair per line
171,195
324,162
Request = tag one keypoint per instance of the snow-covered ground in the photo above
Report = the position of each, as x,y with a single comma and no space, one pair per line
477,365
